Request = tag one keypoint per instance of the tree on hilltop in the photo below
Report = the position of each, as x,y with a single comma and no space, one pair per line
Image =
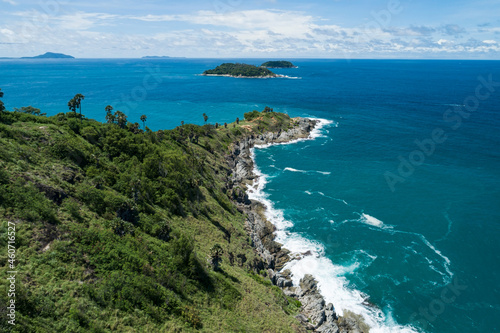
76,103
121,119
143,119
78,99
72,105
2,106
110,117
30,110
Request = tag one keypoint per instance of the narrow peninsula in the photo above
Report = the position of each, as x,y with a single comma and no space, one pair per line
240,71
121,228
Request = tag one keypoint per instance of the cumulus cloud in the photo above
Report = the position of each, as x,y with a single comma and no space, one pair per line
239,33
277,21
83,21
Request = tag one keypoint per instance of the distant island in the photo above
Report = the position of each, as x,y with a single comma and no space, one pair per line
156,57
50,55
240,70
278,64
162,57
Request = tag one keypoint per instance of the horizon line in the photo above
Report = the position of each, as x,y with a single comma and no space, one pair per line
181,57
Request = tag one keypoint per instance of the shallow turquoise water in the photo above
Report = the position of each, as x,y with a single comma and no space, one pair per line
424,252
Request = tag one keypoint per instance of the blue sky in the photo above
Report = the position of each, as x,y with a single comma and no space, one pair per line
253,28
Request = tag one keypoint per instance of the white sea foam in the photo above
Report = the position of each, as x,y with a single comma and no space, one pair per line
290,77
372,220
317,131
331,278
295,170
371,256
305,171
450,224
447,274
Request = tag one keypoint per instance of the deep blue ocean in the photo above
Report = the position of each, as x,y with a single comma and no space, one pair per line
397,196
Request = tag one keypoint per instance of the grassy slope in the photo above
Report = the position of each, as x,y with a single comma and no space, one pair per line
114,229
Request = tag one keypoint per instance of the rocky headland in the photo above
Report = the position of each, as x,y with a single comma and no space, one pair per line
315,314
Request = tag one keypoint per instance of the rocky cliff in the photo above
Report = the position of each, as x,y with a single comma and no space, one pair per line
315,314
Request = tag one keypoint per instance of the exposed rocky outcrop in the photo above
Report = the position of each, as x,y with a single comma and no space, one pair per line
315,314
241,163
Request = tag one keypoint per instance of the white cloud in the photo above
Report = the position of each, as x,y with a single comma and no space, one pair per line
277,21
84,21
11,2
234,34
73,21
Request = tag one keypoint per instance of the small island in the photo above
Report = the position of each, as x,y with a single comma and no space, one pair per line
156,57
50,55
162,57
240,70
278,64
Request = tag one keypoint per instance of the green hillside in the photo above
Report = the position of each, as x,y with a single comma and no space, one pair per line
115,227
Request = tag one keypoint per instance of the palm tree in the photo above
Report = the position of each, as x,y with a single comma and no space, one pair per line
216,256
72,105
121,119
78,101
205,117
110,118
2,107
143,119
182,122
237,120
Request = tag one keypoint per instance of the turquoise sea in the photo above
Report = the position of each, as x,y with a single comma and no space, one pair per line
397,196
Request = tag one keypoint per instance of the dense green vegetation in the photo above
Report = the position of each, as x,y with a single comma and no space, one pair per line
250,116
278,64
120,229
239,70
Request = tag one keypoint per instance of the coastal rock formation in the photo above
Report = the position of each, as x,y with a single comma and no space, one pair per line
241,163
315,314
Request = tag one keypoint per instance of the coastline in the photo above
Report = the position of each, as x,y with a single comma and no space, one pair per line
315,314
280,67
277,76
